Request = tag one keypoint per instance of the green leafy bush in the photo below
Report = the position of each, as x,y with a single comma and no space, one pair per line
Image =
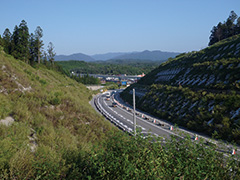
124,157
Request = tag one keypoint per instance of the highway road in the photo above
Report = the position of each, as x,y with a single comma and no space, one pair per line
122,117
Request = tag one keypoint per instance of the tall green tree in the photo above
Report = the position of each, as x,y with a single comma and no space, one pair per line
237,26
6,41
51,52
230,24
20,42
226,29
0,40
32,49
24,40
45,57
15,42
38,43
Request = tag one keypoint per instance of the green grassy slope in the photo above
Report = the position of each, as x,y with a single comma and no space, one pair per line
51,107
198,90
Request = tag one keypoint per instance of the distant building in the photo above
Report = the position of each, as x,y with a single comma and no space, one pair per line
103,81
108,78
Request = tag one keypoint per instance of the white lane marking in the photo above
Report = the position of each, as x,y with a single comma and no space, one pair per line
193,134
128,120
153,124
157,126
130,129
123,118
141,127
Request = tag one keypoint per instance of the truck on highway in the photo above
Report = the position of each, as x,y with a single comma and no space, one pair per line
108,97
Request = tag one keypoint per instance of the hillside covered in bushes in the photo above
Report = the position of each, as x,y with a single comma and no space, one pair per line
198,90
51,121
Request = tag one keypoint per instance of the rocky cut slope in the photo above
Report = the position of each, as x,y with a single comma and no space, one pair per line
198,90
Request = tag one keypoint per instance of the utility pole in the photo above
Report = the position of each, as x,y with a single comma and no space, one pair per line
134,114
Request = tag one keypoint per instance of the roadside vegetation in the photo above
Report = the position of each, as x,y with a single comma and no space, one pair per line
127,157
86,79
52,109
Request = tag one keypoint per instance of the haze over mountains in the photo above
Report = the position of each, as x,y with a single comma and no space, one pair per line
144,55
77,56
107,56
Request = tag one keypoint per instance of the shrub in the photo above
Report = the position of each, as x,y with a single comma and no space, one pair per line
124,157
5,106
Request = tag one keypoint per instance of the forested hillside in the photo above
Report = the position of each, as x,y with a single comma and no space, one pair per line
109,67
198,90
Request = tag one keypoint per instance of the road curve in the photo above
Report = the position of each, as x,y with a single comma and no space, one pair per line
122,117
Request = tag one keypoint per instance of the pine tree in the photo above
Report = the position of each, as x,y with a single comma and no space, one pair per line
51,52
0,40
38,43
230,22
237,26
6,41
32,48
45,57
15,42
225,29
24,40
20,42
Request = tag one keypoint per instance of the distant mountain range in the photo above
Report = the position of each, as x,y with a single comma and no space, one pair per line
107,56
77,56
148,55
144,55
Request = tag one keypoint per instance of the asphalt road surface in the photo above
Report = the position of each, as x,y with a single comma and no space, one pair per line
122,117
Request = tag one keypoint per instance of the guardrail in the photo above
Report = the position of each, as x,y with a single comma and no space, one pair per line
230,148
111,118
158,122
142,115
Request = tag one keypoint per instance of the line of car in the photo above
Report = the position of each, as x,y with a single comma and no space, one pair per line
115,103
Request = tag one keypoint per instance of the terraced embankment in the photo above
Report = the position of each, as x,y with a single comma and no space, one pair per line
198,90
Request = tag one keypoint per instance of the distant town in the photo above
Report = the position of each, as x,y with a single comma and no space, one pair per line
121,79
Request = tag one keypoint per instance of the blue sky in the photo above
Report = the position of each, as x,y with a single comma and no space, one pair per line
101,26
